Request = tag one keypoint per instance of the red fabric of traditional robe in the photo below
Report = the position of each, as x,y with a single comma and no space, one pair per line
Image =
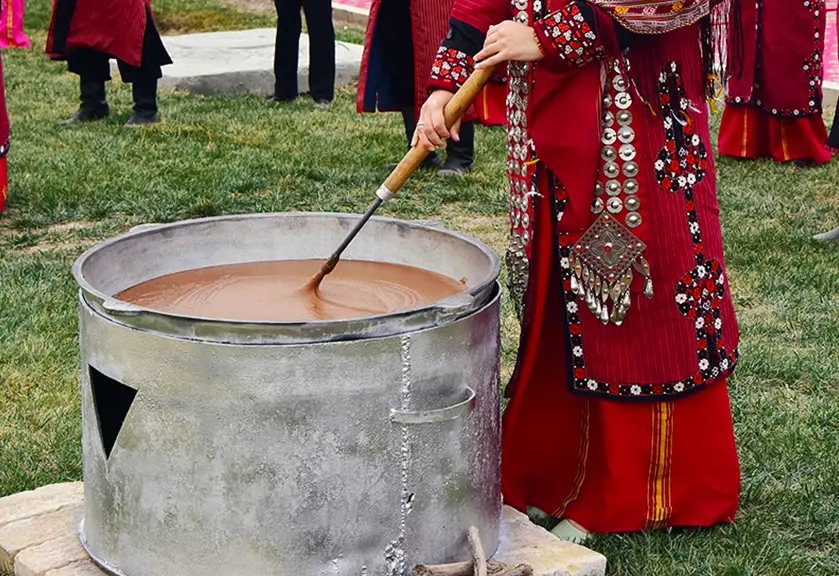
429,24
115,27
645,181
783,56
774,104
616,254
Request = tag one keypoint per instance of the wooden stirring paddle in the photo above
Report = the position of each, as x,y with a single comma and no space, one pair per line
456,107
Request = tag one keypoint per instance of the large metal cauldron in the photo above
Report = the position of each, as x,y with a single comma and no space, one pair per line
222,448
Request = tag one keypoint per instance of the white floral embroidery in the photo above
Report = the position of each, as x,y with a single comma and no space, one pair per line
635,389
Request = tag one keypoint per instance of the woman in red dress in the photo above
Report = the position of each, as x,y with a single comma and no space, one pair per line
774,108
619,417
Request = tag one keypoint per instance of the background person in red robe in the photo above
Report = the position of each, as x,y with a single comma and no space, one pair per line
774,107
619,417
399,49
4,142
87,33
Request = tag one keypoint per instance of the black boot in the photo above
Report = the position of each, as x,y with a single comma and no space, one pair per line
145,103
94,104
460,155
432,160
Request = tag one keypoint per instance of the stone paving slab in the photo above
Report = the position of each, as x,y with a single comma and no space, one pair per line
41,501
523,542
242,62
24,534
83,568
51,555
41,539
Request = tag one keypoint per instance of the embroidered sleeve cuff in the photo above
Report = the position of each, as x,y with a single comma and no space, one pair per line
568,38
450,70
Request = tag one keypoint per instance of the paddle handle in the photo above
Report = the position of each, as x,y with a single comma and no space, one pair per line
456,108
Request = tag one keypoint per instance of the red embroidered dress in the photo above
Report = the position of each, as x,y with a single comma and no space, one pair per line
619,417
774,106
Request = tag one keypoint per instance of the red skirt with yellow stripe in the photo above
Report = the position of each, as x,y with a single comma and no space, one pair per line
609,466
749,132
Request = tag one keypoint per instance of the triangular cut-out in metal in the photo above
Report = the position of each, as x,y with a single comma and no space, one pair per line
112,401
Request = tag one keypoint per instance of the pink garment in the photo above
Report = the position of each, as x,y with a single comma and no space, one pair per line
11,25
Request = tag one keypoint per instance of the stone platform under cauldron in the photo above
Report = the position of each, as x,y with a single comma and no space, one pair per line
38,538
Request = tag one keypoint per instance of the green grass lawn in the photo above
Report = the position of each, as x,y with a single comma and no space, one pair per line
212,155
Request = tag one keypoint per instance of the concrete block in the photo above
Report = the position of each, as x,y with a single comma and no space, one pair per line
345,14
242,62
831,93
41,501
51,555
23,534
83,568
522,542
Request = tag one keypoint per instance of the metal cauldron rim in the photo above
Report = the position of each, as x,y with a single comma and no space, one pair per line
276,332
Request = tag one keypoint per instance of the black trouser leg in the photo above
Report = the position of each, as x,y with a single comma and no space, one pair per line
408,115
143,79
461,155
289,26
93,69
321,49
143,82
833,139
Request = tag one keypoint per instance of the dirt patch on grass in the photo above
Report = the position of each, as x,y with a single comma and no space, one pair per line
56,238
67,226
60,246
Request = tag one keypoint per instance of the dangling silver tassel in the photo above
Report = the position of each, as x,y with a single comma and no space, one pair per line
642,266
604,315
616,291
622,309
